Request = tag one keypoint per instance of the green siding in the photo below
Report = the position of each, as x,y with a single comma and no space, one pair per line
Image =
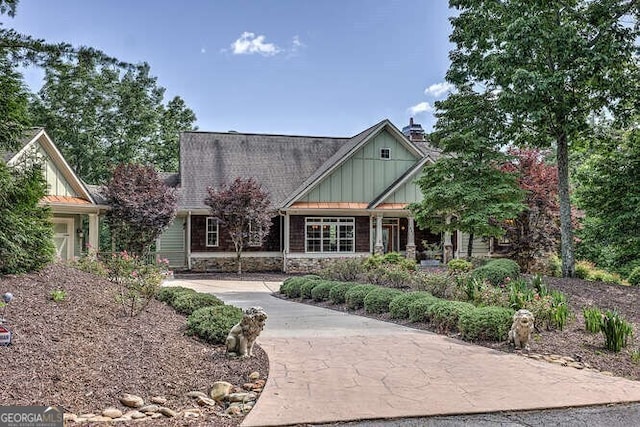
172,243
480,246
56,182
363,176
408,192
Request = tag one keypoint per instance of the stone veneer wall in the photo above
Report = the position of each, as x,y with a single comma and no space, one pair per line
228,264
306,265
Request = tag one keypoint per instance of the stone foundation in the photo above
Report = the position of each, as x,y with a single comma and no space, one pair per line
228,264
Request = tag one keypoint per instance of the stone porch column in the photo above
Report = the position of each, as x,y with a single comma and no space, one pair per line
94,232
411,239
378,248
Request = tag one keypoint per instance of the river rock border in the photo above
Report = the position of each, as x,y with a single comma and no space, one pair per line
223,399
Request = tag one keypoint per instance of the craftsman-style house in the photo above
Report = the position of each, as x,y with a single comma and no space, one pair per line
331,197
75,212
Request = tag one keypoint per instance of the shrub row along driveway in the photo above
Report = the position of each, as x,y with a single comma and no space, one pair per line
330,366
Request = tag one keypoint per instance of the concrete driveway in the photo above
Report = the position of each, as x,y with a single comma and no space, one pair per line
328,366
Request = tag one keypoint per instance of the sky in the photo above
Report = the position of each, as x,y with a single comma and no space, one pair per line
299,67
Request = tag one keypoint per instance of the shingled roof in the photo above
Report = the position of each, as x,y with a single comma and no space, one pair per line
279,162
27,137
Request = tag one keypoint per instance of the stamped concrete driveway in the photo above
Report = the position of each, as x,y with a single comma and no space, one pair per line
328,366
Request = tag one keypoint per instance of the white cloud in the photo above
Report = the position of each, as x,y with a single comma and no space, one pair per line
439,89
203,50
296,43
423,107
249,43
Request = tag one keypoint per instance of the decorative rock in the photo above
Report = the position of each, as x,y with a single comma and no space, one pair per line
167,412
607,373
248,386
89,415
220,389
112,413
155,416
196,394
99,419
233,410
259,383
243,407
149,408
192,413
254,376
576,365
205,401
131,400
160,400
241,397
135,415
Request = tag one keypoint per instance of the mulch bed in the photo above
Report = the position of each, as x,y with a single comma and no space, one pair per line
82,353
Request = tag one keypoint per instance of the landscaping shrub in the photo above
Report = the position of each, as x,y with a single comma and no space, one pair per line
399,305
168,293
307,287
519,294
592,319
440,285
388,259
213,323
489,295
337,292
419,309
634,277
588,271
390,275
497,271
321,291
89,263
377,301
459,265
486,323
291,286
583,269
355,296
345,270
188,302
559,310
444,314
616,331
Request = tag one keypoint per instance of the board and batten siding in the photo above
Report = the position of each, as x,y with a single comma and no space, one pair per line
57,184
480,246
364,175
408,192
171,244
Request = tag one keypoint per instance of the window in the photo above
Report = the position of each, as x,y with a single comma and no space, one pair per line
385,153
212,232
254,235
330,234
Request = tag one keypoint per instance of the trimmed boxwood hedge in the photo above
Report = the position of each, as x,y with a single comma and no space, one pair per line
321,292
188,302
399,305
356,295
377,301
419,309
444,314
307,287
486,323
213,323
291,286
169,293
338,292
496,271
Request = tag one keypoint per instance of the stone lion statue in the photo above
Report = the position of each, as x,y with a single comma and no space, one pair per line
521,329
243,335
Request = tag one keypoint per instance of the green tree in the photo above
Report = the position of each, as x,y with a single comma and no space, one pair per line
176,117
608,193
552,64
467,184
13,105
26,233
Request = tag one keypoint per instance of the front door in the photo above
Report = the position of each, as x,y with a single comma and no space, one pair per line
390,236
63,238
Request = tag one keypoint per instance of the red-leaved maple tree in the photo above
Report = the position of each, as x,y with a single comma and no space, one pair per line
243,209
142,207
535,232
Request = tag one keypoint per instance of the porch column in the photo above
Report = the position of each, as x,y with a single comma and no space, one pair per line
188,239
447,244
94,232
378,248
411,243
287,222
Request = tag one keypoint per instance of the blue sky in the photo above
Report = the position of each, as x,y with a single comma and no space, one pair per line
304,67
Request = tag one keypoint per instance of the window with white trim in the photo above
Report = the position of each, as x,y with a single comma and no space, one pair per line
385,153
329,234
254,234
212,232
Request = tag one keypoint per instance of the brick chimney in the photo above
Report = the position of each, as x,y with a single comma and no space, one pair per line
414,131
